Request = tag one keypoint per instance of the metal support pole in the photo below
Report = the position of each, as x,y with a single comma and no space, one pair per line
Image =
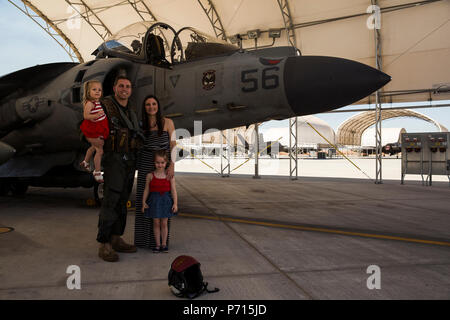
293,149
288,24
378,117
292,41
225,156
257,176
378,146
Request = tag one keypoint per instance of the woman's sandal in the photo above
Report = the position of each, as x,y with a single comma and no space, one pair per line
85,166
98,176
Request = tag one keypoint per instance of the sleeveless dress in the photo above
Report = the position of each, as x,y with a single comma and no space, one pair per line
98,127
159,200
143,226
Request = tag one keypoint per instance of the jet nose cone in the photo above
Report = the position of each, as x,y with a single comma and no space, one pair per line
317,84
6,152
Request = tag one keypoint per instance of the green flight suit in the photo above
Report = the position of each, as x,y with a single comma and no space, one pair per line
119,165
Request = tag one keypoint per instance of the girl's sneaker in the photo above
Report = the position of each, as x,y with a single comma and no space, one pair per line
98,176
156,250
164,249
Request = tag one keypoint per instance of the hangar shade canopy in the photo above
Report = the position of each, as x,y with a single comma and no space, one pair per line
352,129
413,35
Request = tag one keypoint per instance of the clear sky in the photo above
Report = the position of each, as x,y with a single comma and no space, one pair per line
25,44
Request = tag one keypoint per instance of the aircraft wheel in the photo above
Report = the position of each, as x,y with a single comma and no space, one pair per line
5,186
19,188
98,193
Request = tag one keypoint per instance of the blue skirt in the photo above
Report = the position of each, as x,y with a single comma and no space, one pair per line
160,205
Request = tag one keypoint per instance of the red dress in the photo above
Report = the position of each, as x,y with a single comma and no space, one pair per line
159,185
160,200
97,128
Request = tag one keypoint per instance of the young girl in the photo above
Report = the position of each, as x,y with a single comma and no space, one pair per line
162,202
94,127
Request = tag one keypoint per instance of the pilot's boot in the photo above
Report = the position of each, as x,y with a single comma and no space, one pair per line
120,245
107,253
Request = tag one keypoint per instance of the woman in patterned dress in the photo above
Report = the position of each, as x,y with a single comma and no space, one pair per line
158,132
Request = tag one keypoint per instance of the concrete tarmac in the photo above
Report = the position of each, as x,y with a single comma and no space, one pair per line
268,238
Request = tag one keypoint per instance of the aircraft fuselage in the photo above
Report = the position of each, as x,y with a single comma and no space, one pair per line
41,121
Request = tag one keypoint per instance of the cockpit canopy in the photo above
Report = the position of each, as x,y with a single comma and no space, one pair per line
159,44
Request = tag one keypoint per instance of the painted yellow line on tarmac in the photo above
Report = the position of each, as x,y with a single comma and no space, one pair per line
5,229
258,154
303,228
347,233
337,150
193,155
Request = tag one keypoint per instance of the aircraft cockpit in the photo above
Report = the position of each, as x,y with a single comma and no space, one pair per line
197,45
160,45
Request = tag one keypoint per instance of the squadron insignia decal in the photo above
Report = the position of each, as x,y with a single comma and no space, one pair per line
209,79
33,104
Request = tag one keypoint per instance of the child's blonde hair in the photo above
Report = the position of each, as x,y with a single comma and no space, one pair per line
87,88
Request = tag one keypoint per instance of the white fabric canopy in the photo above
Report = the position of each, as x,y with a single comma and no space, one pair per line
305,134
388,135
350,131
415,42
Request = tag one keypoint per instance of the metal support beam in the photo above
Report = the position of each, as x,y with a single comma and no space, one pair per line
51,28
293,129
431,106
90,16
257,176
382,10
146,15
378,146
142,10
213,18
329,20
288,24
293,148
378,64
225,156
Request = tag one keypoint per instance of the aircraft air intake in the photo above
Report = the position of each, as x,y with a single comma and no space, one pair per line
9,119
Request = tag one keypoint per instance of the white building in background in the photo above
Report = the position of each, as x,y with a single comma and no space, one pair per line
240,139
243,139
307,137
388,135
215,136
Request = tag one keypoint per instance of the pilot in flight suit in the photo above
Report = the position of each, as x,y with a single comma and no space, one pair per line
119,165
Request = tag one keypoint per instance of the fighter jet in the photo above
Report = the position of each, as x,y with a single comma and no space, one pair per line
196,78
271,148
